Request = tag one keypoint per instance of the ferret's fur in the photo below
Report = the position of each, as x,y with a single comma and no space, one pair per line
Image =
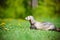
41,25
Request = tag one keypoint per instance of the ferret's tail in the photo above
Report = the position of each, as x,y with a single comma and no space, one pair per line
57,29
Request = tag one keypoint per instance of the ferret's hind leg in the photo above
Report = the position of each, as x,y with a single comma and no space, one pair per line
51,28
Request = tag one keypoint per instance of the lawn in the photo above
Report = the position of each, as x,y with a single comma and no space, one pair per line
17,29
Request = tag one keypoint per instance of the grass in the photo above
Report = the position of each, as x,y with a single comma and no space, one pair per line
16,29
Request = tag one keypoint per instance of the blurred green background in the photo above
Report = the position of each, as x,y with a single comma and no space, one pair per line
22,8
45,10
13,25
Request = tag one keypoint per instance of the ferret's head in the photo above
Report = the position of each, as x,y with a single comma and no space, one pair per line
29,18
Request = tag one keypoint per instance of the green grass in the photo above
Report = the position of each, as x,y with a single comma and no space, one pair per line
16,29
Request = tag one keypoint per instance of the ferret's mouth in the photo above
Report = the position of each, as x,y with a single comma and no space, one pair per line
25,18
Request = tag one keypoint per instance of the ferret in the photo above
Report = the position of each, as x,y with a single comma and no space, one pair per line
41,25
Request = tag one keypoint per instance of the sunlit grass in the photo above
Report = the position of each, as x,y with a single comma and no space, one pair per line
18,29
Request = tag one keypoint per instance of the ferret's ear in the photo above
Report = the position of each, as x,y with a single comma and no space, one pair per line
31,17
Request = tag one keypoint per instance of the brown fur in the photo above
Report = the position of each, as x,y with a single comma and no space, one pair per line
57,29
